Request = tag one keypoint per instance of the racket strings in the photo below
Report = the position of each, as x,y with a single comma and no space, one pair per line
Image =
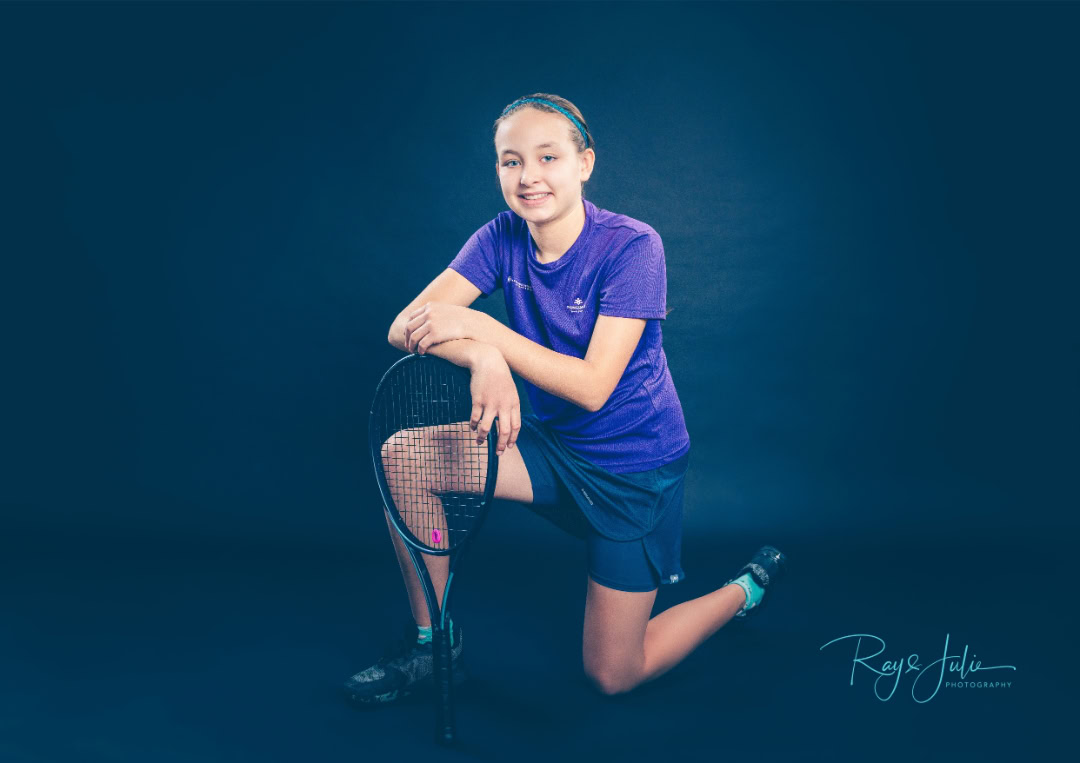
435,470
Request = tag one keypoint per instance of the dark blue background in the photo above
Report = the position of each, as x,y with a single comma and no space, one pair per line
212,212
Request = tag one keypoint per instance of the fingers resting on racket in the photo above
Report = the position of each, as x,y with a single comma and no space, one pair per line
515,426
494,395
509,423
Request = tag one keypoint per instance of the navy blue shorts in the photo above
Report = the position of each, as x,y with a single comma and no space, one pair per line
577,496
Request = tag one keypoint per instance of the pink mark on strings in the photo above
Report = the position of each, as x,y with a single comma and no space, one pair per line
436,536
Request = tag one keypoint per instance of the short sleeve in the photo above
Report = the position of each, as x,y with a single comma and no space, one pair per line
479,259
634,281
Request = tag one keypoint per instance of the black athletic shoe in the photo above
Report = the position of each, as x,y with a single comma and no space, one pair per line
404,668
767,567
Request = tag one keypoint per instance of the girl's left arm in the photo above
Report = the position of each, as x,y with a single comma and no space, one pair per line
587,382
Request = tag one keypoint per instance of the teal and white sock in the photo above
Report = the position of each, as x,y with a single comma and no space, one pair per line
753,591
425,633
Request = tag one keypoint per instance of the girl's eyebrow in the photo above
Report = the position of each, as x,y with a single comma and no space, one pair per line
542,145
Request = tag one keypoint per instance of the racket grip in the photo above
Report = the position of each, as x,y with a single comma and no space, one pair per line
444,686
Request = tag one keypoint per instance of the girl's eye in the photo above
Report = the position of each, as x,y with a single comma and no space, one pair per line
545,156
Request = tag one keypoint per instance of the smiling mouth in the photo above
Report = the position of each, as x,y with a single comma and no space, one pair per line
535,197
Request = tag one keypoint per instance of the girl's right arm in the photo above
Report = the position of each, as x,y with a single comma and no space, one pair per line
493,390
450,287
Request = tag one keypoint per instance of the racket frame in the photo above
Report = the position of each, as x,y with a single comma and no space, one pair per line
445,726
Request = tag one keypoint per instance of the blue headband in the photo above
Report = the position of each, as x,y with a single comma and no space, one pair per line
566,113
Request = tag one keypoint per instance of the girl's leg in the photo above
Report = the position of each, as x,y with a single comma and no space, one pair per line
614,636
679,630
438,568
623,648
512,483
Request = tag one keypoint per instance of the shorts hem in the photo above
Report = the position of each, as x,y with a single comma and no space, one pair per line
619,586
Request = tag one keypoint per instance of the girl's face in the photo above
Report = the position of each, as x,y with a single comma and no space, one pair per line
536,156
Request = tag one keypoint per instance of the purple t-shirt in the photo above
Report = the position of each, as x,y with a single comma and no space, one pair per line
615,267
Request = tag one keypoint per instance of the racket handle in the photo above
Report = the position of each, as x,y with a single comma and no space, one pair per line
444,686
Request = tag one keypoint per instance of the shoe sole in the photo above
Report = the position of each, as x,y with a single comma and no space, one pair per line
395,695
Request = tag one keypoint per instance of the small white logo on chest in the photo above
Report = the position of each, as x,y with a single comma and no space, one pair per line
577,307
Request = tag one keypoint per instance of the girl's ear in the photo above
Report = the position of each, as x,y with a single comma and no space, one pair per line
588,160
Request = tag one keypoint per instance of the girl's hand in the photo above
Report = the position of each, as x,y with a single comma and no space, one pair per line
494,394
437,322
